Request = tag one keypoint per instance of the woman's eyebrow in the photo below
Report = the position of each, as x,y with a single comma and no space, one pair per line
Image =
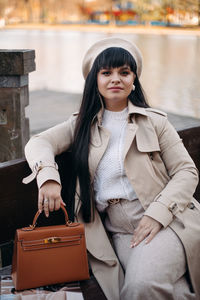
125,68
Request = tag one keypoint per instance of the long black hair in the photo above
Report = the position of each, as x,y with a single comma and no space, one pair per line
110,58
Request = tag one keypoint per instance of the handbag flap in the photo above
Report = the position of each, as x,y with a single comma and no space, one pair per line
41,233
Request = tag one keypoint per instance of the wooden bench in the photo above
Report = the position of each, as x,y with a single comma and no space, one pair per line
18,202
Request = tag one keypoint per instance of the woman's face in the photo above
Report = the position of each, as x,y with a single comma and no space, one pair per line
115,84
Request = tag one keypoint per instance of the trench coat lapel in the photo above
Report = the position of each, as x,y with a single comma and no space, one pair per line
146,137
99,142
143,131
129,137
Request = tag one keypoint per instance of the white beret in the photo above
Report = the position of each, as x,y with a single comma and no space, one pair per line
100,46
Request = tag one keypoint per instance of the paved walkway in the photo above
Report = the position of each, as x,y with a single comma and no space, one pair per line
48,108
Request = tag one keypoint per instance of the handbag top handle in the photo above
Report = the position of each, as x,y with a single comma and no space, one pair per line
67,221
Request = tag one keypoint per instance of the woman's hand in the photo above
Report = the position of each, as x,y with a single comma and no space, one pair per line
49,197
146,227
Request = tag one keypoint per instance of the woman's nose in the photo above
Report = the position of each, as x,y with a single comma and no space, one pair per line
115,78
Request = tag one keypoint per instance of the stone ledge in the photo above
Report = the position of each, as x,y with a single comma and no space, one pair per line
16,62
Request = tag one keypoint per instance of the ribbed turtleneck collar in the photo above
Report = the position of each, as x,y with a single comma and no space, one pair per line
116,115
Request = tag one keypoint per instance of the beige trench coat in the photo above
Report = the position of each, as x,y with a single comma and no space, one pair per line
161,171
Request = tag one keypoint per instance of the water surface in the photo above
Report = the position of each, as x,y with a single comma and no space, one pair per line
171,67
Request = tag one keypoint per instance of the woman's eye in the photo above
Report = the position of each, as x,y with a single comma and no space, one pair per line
125,73
106,72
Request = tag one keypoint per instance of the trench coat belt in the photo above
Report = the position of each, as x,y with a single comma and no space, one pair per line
114,201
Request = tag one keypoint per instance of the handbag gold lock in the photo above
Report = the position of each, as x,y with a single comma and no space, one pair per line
52,240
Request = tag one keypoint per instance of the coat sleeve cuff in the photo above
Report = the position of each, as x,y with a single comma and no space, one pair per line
47,174
160,213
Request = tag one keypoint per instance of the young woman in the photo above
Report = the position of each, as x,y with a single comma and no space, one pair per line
129,163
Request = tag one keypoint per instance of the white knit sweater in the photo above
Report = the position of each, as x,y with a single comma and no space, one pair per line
110,178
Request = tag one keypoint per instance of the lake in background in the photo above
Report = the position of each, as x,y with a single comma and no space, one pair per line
171,65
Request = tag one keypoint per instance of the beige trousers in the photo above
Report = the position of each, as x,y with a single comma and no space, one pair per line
154,271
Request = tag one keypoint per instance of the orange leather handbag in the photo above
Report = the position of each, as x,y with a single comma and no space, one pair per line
49,255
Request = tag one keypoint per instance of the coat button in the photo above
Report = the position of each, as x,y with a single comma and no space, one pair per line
191,205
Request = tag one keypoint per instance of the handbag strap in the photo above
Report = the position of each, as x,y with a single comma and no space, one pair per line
67,221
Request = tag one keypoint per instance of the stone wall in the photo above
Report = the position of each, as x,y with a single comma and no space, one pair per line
14,97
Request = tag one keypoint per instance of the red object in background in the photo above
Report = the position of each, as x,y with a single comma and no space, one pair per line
169,10
131,12
117,13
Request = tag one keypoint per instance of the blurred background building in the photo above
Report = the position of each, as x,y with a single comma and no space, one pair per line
115,12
